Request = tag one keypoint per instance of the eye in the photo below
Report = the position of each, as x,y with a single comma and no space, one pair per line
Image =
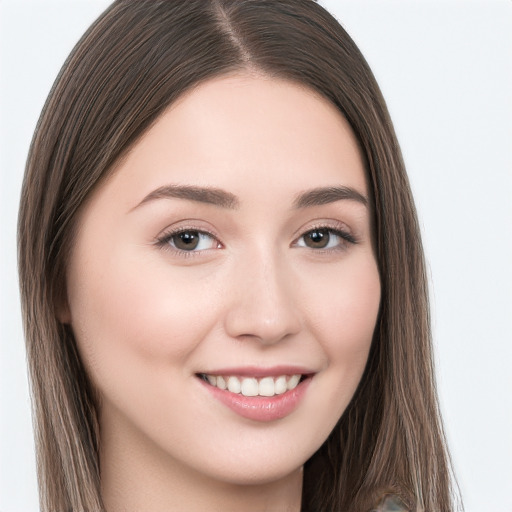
189,240
325,238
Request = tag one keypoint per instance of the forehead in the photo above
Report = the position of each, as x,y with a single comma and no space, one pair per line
246,132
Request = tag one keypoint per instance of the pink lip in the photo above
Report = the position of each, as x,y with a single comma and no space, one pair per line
258,372
260,408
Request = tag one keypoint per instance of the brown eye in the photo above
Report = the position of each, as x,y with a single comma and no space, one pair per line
317,239
186,240
190,241
325,238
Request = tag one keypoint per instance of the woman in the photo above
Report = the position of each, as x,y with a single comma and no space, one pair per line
227,276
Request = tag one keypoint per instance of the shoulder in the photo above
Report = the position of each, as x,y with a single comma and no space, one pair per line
390,503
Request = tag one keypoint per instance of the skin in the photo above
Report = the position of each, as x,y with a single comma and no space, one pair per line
148,317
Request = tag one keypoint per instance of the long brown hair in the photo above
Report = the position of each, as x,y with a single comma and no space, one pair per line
131,64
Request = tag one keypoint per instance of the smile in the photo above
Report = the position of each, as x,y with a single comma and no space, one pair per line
250,386
256,395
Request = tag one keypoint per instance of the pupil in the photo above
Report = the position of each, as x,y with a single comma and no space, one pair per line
188,240
318,239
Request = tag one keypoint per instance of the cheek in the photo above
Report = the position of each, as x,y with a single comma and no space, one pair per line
345,298
344,316
135,317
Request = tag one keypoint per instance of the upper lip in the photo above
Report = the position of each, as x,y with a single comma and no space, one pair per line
260,372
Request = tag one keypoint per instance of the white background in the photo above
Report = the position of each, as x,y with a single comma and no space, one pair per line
446,71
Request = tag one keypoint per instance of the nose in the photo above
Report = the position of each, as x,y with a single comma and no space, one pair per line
264,303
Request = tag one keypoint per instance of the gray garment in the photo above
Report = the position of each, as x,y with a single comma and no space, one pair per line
390,504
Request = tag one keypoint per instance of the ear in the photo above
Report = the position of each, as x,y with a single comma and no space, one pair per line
62,309
63,314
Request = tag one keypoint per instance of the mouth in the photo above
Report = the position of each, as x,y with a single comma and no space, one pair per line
256,395
268,386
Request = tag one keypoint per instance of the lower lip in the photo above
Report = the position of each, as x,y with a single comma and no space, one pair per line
261,408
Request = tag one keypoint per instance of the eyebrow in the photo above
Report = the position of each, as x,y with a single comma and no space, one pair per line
326,195
223,199
208,195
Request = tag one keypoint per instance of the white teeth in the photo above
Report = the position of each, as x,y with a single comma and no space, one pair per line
280,385
234,385
221,383
267,386
293,381
249,386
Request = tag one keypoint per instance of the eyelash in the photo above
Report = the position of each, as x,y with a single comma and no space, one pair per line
346,237
164,240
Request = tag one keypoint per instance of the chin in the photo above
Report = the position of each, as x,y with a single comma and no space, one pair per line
258,475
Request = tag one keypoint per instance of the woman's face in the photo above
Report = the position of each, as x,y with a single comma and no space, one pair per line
231,247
